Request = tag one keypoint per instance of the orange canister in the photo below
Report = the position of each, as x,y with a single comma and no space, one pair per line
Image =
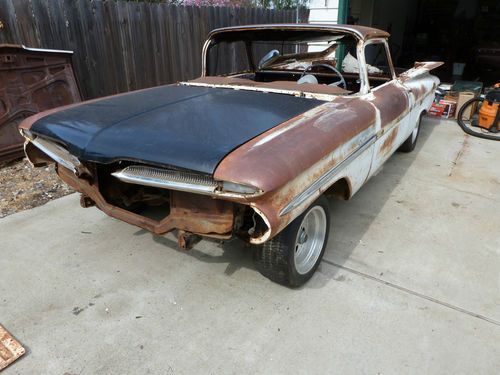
489,115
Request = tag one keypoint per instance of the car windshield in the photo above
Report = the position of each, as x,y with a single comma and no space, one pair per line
277,56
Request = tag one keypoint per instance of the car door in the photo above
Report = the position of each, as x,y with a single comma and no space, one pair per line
391,101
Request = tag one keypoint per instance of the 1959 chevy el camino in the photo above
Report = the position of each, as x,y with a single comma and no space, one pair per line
281,116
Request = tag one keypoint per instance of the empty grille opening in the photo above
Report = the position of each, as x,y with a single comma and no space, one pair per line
147,201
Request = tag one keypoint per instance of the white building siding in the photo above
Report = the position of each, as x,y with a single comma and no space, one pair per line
322,11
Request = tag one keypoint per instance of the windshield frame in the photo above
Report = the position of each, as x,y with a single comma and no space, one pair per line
224,35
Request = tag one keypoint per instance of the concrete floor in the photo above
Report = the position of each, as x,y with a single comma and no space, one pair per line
410,283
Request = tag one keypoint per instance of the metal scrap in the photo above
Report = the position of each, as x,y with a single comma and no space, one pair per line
10,348
31,80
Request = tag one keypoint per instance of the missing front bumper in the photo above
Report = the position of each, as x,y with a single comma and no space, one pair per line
189,212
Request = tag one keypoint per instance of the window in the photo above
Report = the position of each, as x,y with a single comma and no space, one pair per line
377,64
226,58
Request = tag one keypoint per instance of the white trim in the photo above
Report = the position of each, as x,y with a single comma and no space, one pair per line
326,178
45,50
300,94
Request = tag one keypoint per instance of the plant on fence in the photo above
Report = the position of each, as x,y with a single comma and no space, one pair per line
268,4
217,3
282,4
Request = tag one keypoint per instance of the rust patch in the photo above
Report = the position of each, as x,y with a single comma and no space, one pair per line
193,213
388,144
187,240
391,102
419,68
279,155
10,348
363,32
429,65
290,157
200,214
419,91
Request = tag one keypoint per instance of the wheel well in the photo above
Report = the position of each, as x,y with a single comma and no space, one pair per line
340,189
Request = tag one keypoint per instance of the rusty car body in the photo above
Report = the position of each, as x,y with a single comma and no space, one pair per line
250,147
31,80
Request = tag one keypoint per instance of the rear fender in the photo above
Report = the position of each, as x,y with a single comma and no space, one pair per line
420,69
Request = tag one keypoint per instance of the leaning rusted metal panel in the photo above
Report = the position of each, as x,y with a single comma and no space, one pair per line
31,81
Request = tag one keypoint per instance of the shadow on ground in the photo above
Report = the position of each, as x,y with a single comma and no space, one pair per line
238,254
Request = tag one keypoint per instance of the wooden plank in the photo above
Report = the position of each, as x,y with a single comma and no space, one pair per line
212,24
27,33
95,55
9,31
114,44
196,31
171,52
127,55
205,28
177,41
187,37
58,25
136,45
149,35
42,24
76,38
163,63
102,51
154,54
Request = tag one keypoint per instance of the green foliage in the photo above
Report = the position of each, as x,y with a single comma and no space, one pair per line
268,4
282,4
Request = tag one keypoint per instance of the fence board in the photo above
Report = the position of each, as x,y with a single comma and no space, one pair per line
161,29
27,28
9,30
60,39
114,68
121,46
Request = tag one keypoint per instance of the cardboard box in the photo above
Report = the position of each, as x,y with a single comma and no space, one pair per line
461,86
462,98
443,108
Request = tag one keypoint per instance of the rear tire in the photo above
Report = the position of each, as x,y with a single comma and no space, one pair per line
411,142
292,256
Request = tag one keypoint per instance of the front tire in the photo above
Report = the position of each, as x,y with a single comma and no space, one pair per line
292,256
411,142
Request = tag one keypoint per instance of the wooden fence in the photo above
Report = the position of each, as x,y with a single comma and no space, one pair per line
121,46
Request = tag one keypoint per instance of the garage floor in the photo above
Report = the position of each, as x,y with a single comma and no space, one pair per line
410,284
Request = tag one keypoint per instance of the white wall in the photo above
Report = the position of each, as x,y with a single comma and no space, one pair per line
322,11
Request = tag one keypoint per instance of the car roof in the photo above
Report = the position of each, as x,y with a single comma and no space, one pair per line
361,32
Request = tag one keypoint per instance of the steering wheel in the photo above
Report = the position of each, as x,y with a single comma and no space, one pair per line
340,82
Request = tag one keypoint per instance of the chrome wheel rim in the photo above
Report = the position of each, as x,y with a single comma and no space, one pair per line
414,134
310,239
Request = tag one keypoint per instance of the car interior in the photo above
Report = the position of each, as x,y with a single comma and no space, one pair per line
324,64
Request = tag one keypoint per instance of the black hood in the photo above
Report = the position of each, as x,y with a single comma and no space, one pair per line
182,126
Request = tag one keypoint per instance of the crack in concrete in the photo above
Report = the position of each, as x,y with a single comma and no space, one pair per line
414,293
459,155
